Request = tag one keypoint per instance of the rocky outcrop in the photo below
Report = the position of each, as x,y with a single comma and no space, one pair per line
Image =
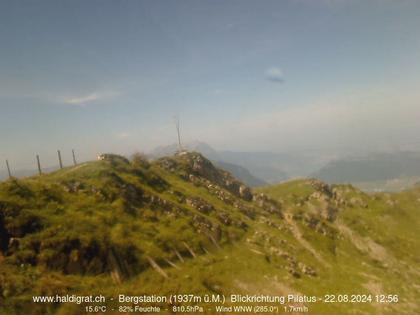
267,203
199,204
321,187
113,158
192,165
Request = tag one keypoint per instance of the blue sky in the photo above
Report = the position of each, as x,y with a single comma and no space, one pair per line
330,75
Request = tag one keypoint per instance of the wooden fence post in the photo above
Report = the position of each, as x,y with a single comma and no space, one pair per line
74,158
59,159
8,169
39,164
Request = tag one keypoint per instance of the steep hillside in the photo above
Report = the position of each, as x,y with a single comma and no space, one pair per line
366,243
181,225
241,173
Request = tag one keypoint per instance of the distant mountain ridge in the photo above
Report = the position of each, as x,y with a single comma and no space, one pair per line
379,169
269,167
241,173
372,172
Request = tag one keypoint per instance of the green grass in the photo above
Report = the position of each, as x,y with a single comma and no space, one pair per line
73,227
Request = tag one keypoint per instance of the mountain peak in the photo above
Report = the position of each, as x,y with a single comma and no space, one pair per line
193,166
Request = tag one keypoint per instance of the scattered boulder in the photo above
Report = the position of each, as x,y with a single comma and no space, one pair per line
245,193
307,270
224,218
73,186
179,195
199,204
358,202
248,211
321,187
266,203
113,158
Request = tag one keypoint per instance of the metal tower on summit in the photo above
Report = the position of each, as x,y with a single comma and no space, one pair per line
176,118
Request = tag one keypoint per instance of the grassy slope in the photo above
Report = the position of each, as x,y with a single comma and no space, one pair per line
77,226
376,247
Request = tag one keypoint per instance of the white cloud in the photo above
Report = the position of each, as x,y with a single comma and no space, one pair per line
90,98
274,74
83,100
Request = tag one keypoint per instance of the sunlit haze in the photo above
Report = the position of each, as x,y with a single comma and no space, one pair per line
336,77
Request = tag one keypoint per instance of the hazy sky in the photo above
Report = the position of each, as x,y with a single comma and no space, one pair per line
339,76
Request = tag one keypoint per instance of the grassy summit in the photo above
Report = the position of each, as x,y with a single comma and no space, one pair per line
181,225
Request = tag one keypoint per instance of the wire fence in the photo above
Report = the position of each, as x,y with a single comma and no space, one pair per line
40,170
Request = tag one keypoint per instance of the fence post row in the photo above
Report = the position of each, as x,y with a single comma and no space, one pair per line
38,162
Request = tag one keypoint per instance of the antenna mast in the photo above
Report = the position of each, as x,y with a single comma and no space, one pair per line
178,132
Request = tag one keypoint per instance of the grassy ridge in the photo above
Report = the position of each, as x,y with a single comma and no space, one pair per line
180,225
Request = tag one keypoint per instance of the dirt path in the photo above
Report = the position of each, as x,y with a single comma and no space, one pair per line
364,244
298,235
